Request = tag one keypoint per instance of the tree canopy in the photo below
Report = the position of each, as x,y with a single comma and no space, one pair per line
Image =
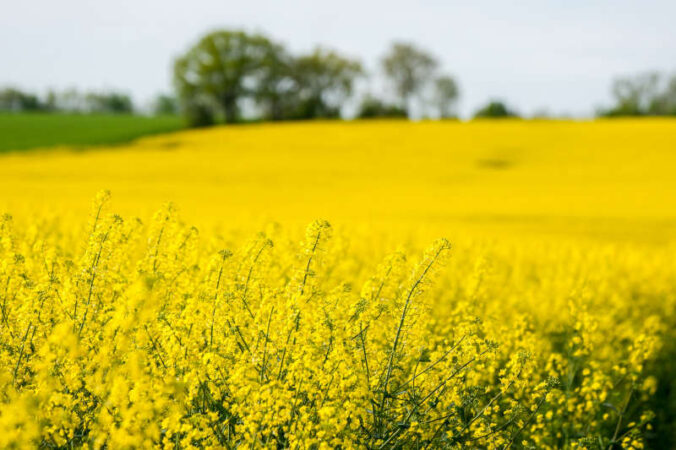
226,67
220,69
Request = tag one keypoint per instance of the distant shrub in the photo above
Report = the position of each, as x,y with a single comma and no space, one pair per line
495,109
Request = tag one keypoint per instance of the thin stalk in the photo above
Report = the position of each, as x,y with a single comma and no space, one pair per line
618,426
23,345
402,319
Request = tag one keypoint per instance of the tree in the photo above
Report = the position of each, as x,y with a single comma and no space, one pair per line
495,110
324,79
220,70
226,67
633,95
409,69
446,95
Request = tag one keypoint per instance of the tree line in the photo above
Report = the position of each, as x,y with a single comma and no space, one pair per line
69,100
229,76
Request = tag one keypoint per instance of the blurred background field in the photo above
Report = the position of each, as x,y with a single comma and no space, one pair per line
608,178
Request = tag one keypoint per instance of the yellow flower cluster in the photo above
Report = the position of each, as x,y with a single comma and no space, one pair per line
117,334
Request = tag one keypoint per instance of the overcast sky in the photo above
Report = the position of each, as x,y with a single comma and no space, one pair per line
561,55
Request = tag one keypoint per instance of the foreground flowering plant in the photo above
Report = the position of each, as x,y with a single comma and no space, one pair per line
128,336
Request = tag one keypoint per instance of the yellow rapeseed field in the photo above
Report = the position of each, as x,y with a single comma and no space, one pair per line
504,284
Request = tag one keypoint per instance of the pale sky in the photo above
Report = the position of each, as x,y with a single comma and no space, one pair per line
561,55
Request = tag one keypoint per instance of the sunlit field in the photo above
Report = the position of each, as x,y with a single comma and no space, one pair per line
545,175
491,284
